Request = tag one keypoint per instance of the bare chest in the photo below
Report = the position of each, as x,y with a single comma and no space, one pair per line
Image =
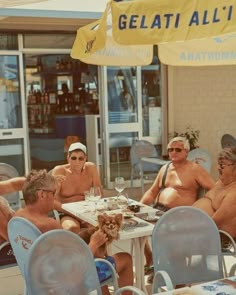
75,184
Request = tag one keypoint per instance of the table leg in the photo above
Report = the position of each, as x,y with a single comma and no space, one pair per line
138,246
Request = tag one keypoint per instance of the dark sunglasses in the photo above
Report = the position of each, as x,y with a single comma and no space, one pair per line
177,150
47,190
77,158
223,165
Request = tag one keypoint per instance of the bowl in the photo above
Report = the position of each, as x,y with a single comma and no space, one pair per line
134,208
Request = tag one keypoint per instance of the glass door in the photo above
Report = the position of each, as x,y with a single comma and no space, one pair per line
131,110
13,133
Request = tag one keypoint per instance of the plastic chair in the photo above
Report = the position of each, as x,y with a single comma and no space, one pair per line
186,248
143,148
6,172
135,290
202,157
60,262
228,247
22,234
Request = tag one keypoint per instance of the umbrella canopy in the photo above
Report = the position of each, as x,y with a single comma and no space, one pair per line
182,29
155,22
94,44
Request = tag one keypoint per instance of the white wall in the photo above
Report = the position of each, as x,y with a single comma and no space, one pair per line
205,99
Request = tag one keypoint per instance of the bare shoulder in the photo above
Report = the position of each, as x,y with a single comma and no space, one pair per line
90,166
60,169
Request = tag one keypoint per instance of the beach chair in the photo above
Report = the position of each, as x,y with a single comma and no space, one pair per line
186,249
60,262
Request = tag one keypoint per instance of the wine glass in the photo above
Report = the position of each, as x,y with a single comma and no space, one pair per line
119,185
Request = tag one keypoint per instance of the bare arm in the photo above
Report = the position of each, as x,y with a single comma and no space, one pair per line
150,195
97,239
226,210
204,179
11,185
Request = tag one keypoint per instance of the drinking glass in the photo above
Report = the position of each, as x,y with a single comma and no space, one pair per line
95,195
119,185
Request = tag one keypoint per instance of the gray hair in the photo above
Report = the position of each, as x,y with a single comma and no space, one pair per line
35,181
180,139
228,153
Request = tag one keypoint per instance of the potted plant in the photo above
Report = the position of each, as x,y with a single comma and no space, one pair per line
192,136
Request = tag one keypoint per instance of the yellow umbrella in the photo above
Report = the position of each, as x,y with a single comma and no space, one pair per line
138,25
94,44
155,22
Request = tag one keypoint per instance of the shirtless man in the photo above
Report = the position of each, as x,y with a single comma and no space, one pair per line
182,183
39,192
79,176
6,187
220,201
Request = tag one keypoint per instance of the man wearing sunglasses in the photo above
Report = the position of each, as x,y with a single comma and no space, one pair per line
39,192
220,202
7,187
78,176
177,184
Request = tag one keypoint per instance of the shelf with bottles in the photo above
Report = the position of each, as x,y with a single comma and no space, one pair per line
120,154
59,65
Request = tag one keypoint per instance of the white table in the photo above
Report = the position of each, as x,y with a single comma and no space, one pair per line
138,235
223,286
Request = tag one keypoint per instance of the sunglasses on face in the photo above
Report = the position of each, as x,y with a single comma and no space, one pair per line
223,165
47,190
73,158
177,150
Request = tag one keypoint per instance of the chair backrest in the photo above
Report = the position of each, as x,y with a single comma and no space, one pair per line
186,244
143,148
60,262
202,157
6,172
22,234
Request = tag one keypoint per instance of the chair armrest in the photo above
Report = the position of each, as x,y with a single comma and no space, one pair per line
135,290
161,276
231,243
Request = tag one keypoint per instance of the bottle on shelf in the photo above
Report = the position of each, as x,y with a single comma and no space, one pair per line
39,65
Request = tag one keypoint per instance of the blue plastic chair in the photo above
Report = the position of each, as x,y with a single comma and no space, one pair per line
60,262
22,234
186,248
143,148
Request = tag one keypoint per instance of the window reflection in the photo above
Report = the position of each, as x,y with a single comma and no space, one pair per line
10,106
122,95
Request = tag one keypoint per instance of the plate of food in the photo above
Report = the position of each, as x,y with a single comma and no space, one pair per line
150,218
128,215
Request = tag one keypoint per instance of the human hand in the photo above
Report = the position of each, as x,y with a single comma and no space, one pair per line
97,239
